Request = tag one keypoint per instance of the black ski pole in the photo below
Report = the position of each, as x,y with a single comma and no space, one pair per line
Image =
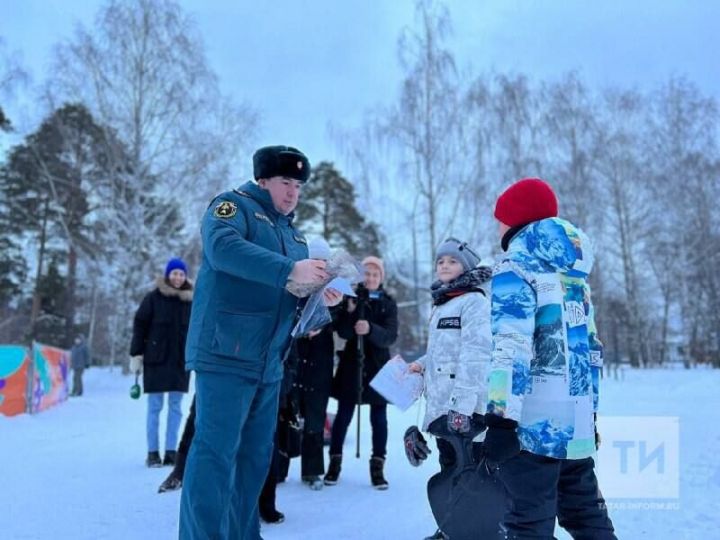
361,298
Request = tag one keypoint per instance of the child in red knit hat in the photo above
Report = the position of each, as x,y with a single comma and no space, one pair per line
527,200
544,374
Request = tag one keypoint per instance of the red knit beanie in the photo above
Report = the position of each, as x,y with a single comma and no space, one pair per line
527,200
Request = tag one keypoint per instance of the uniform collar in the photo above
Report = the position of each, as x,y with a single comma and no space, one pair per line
263,198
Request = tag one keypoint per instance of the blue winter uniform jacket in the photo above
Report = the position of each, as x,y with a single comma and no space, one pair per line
242,314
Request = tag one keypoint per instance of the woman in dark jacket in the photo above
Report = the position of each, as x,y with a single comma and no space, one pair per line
378,328
314,382
158,351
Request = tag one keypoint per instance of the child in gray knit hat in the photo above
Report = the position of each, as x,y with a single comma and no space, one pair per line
463,270
457,360
459,251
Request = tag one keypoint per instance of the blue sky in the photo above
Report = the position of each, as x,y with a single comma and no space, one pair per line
304,64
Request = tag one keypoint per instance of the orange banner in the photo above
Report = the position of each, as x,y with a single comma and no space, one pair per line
14,366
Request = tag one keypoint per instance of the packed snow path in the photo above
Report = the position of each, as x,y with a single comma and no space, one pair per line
76,472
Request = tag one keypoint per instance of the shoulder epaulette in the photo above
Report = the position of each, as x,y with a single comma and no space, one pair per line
236,191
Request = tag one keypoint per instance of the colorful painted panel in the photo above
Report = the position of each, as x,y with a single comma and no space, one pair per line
50,377
14,365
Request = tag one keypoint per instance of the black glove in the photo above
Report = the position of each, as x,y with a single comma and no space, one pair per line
501,439
458,422
416,448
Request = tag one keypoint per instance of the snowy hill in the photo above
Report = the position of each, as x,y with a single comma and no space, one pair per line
76,472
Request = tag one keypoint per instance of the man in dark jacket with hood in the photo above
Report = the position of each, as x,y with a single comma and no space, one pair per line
239,331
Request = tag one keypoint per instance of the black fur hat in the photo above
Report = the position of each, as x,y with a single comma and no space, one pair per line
280,160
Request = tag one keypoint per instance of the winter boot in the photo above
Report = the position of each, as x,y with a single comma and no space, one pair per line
170,457
174,481
334,468
271,515
376,473
153,460
313,482
439,535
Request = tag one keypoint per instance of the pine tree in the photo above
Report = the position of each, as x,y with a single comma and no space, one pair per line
46,187
50,324
328,209
13,267
5,124
27,210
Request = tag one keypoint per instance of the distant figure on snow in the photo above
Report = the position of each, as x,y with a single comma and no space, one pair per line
80,360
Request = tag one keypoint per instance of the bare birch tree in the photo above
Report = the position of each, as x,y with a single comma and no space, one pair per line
142,71
620,168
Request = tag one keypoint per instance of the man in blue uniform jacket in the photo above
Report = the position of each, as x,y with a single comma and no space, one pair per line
239,331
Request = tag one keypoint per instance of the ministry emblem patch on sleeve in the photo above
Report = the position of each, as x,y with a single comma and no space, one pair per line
225,209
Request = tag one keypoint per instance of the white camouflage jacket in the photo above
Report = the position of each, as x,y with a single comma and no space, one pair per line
457,361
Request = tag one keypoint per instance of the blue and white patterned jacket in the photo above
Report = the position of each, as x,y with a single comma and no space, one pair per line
546,356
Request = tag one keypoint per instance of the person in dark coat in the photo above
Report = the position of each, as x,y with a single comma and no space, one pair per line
80,359
158,351
379,329
314,384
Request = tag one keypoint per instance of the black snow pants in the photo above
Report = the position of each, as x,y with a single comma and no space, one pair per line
188,432
313,407
539,489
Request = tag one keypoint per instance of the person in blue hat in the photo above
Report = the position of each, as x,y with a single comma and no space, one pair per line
157,351
239,333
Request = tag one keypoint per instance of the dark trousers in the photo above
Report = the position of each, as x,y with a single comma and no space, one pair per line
77,382
185,442
313,407
540,488
378,421
188,432
229,457
266,501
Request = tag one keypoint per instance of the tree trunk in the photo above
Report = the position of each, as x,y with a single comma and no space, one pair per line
70,296
93,316
35,312
629,275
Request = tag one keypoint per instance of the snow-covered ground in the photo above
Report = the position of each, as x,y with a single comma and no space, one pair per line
76,471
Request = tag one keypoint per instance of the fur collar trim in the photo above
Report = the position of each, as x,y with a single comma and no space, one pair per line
185,294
